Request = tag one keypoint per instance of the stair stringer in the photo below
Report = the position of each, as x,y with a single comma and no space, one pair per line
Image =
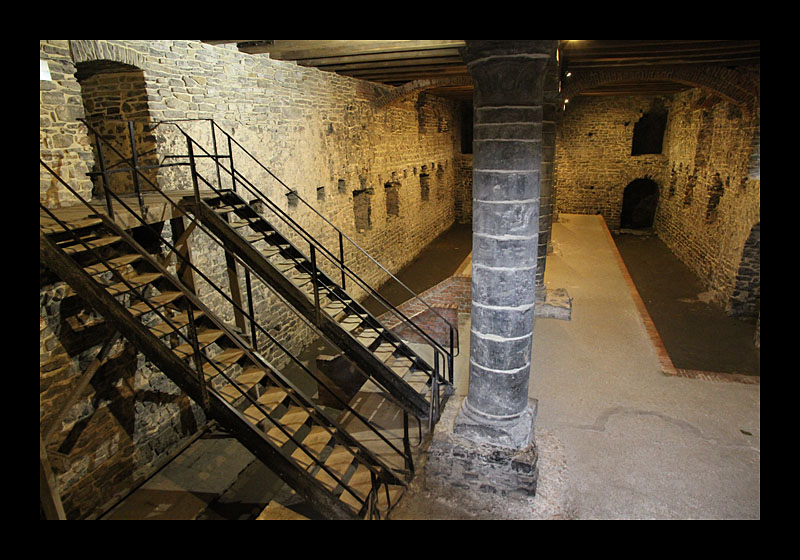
360,355
186,378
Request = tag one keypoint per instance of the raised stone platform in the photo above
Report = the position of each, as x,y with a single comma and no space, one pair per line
465,480
556,305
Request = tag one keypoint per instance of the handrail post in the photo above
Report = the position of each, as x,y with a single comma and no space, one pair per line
216,155
450,357
135,168
433,415
193,170
198,364
250,308
409,460
103,174
341,259
314,282
230,156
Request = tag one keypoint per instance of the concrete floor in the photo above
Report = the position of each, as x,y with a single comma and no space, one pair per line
637,444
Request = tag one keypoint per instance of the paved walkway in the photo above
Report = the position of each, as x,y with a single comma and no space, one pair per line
639,444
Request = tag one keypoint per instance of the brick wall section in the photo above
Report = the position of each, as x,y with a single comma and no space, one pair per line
708,145
324,135
593,155
708,178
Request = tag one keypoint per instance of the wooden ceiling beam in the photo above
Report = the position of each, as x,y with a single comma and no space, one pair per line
343,61
301,49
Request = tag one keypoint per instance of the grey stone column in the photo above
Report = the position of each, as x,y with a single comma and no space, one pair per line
507,157
549,99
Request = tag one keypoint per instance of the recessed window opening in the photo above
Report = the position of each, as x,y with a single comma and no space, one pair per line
424,186
114,93
362,209
341,186
688,193
292,197
392,198
639,202
321,194
648,133
715,191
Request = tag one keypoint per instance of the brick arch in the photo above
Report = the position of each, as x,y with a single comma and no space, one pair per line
410,88
731,85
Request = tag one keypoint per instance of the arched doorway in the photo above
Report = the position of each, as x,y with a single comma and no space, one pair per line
113,94
639,202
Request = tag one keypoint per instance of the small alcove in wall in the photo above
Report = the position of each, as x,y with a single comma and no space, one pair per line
648,132
639,202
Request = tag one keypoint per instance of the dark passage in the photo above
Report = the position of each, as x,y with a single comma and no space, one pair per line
696,334
639,201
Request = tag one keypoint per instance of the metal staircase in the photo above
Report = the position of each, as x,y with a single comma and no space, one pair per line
341,474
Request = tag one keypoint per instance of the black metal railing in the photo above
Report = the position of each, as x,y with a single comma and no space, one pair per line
192,337
315,247
240,182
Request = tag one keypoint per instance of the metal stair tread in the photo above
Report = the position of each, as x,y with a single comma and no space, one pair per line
203,338
116,262
223,361
134,281
294,418
340,459
176,322
244,381
71,246
77,223
269,400
315,442
157,301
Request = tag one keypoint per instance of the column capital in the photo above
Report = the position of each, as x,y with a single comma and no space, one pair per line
475,50
507,73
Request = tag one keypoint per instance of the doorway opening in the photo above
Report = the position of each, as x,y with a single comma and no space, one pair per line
639,202
114,94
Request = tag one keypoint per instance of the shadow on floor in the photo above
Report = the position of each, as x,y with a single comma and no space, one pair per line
697,334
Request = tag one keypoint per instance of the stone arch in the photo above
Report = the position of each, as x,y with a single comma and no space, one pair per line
639,202
731,85
103,51
746,298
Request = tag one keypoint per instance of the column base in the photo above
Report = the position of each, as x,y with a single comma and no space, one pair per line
553,304
461,470
516,433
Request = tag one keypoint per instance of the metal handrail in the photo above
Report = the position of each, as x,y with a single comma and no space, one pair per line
239,261
305,404
326,422
312,240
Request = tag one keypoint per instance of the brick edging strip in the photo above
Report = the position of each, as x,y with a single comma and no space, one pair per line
667,367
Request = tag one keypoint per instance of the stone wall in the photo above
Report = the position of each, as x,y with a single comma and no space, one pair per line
594,164
708,176
321,134
710,203
63,142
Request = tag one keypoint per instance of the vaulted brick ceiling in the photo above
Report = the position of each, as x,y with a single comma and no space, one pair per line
399,62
